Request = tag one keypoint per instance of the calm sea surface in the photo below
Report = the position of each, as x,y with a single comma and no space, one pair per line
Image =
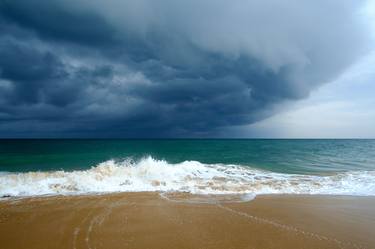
286,156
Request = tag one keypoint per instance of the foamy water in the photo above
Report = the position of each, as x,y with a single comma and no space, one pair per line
194,177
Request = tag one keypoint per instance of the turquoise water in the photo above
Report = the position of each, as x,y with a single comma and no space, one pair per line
250,167
286,156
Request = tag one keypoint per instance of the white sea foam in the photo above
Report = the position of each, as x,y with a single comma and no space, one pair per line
194,177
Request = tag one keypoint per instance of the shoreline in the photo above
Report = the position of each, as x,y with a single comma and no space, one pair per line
147,220
236,197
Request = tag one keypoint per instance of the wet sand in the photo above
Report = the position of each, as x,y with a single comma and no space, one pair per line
146,220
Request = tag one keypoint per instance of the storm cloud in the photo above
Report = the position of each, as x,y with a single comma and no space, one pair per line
167,68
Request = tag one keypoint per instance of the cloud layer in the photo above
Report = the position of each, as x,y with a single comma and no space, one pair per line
165,68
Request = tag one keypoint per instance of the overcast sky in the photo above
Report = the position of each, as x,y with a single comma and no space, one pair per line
169,68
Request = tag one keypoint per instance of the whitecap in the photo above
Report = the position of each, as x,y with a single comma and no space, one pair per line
149,174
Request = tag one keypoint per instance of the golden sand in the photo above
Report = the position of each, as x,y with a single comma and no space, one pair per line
146,220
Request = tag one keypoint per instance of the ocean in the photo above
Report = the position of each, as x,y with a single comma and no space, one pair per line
198,166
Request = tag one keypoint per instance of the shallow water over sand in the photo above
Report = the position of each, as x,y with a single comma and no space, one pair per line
146,220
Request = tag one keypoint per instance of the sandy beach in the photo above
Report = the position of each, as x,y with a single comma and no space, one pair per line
148,220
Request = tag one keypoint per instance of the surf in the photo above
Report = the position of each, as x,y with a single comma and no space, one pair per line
150,174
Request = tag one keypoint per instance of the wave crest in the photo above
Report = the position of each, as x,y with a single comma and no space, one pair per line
149,174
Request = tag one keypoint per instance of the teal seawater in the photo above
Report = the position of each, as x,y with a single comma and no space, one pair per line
315,157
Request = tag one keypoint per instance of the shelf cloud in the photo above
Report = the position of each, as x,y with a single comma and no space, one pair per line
166,68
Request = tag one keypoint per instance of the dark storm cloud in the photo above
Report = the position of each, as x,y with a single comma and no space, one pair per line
165,68
51,19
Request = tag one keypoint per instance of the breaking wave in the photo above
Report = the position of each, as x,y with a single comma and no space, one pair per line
149,174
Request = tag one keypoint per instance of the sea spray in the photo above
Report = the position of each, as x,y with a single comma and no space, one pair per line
149,174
